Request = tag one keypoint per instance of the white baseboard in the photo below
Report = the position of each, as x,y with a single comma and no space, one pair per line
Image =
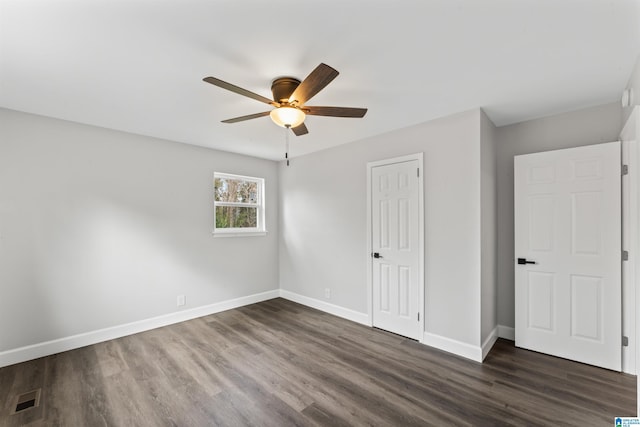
336,310
449,345
22,354
489,342
462,349
47,348
465,350
507,332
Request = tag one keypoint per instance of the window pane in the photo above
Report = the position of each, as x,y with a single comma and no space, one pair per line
236,217
236,190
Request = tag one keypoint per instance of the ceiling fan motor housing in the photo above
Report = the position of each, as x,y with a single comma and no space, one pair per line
283,87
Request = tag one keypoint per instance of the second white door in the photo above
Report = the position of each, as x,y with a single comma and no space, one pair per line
568,250
395,205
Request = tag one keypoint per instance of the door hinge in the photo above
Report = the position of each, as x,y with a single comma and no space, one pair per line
418,317
418,172
625,169
625,255
625,341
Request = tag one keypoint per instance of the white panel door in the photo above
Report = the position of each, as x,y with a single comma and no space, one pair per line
568,235
395,248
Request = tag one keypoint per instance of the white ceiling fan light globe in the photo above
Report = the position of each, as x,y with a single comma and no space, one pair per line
287,116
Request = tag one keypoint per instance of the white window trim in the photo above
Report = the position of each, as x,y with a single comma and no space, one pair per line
261,229
217,234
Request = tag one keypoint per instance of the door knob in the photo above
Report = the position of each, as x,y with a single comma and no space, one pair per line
376,255
523,261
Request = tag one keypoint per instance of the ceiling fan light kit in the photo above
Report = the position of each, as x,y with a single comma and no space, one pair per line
287,117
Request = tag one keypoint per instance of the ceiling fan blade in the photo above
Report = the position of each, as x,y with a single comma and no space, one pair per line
300,130
248,117
314,83
239,90
335,111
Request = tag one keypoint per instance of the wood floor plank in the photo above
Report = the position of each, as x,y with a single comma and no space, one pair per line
74,380
130,402
17,380
278,363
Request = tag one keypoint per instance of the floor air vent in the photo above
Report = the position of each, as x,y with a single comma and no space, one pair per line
26,400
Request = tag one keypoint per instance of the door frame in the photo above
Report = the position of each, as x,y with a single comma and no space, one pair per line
631,243
421,278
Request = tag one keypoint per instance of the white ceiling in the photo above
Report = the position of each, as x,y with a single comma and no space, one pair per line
137,65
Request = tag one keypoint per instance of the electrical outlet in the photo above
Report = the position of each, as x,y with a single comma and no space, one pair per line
327,293
182,300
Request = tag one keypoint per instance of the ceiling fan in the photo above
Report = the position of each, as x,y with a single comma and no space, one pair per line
289,98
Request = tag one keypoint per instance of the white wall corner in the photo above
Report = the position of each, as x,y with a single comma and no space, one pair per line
34,351
458,348
488,343
506,332
336,310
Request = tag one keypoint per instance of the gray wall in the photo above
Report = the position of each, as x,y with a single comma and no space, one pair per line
582,127
489,238
323,221
100,228
97,229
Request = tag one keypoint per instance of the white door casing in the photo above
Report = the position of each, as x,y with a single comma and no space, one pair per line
568,221
396,218
630,136
630,228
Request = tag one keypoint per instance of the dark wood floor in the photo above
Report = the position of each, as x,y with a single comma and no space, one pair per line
278,363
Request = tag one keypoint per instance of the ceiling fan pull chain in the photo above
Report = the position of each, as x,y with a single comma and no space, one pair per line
286,138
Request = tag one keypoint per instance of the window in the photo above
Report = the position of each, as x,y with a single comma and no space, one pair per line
238,204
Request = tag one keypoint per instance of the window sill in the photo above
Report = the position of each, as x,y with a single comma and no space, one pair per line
239,233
